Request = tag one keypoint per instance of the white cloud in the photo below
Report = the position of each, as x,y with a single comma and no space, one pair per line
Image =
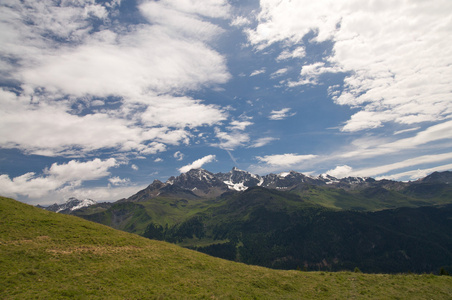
398,63
232,140
116,181
208,8
181,112
285,160
262,142
178,155
310,74
76,170
416,174
239,125
373,147
407,163
299,52
158,159
340,171
134,167
179,22
280,114
198,163
240,21
58,177
406,130
279,72
60,59
258,72
27,126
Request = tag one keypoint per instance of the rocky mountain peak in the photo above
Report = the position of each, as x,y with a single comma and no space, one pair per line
199,181
438,177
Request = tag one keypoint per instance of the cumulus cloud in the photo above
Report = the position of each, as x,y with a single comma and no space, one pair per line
116,181
239,125
284,160
396,57
298,52
310,73
57,177
27,127
340,171
182,112
280,114
62,60
198,163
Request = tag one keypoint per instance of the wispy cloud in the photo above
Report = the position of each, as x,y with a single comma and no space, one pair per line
373,147
198,163
284,160
178,155
281,114
262,142
230,140
258,72
279,72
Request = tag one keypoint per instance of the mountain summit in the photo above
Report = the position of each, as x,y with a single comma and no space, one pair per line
71,204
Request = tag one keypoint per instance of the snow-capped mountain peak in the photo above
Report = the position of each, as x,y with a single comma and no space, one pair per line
71,204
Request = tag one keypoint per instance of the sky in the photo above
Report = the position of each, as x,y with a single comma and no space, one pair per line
100,98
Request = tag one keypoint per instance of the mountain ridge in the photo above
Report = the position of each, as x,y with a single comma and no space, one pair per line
200,183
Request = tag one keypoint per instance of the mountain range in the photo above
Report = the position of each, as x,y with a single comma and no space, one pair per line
292,220
202,183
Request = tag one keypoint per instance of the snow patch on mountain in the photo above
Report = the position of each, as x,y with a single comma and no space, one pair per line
236,186
83,203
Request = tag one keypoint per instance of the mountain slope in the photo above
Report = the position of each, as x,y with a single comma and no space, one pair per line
268,228
46,255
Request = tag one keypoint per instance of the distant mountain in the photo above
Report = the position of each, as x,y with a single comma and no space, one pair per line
438,177
70,205
204,184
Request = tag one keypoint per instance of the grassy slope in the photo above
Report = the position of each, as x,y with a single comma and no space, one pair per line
44,255
138,215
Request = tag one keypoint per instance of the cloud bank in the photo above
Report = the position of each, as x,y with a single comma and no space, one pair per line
396,55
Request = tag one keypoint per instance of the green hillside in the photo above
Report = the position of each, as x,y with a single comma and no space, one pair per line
316,228
44,255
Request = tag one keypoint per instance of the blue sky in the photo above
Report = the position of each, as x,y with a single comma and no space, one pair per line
99,98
